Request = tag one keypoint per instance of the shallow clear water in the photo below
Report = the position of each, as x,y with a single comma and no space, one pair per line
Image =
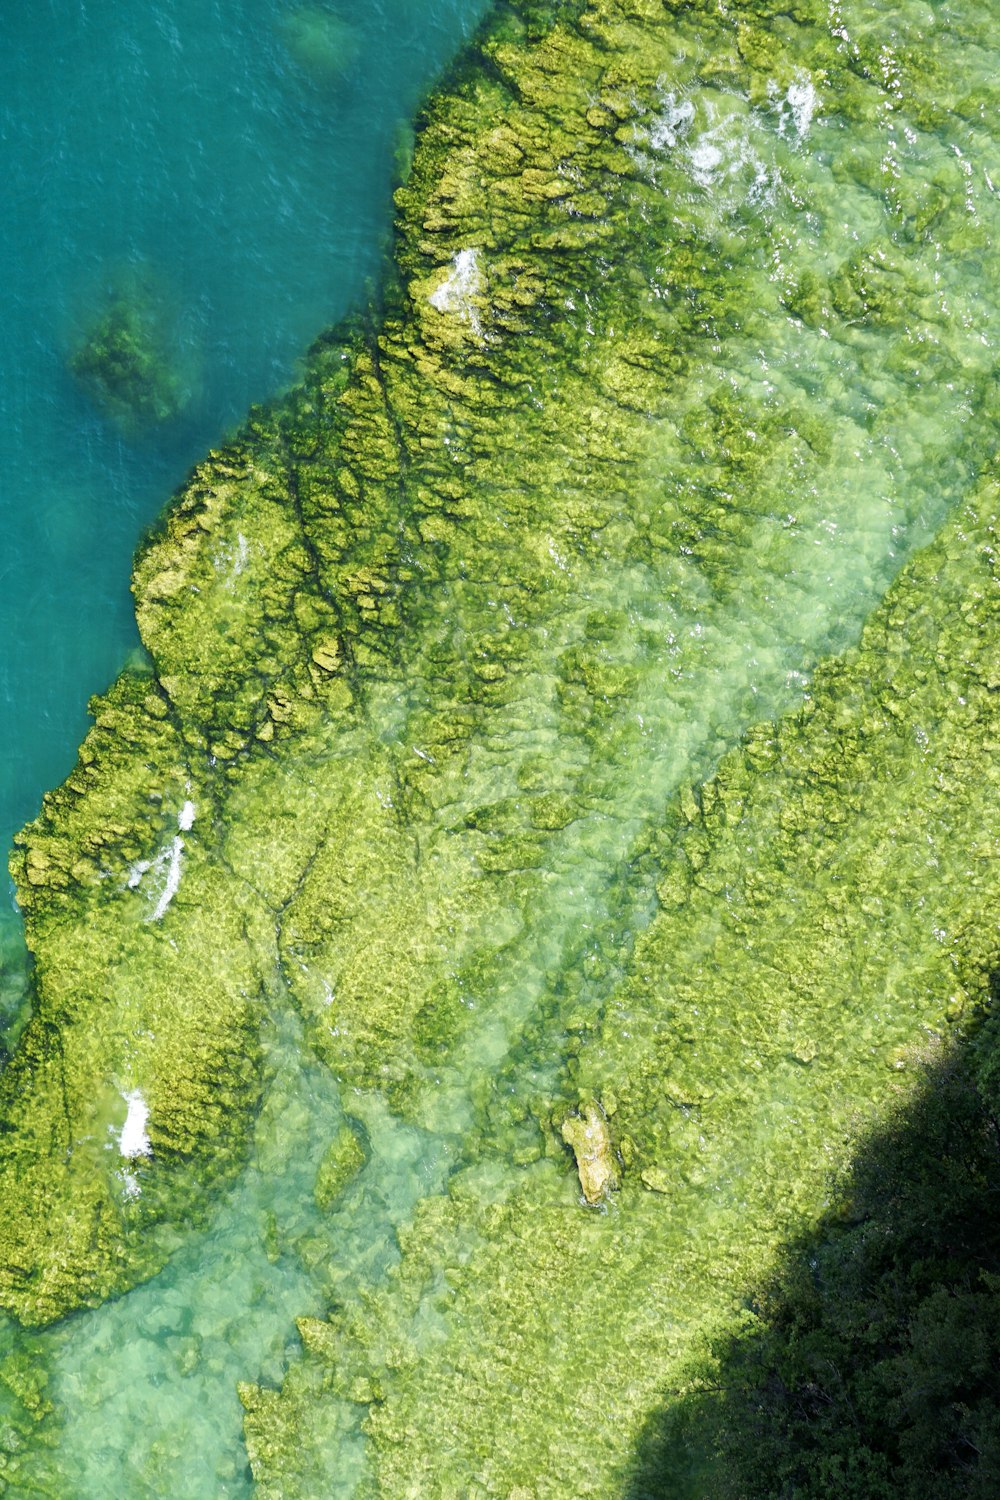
254,204
146,1387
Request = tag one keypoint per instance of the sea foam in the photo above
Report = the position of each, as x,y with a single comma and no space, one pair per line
133,1140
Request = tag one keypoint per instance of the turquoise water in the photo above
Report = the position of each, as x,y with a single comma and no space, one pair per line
261,156
199,149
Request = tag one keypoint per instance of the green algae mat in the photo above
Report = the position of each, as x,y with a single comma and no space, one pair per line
560,795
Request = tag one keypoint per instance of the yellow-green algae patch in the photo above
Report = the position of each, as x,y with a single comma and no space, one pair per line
664,389
115,868
829,894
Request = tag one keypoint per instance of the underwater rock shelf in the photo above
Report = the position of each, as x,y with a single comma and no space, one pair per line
578,699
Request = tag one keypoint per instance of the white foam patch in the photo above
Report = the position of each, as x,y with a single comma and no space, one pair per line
801,101
673,122
455,294
171,858
173,880
706,159
230,558
724,161
133,1140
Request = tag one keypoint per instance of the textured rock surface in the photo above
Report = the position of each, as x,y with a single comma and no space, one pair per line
457,732
588,1134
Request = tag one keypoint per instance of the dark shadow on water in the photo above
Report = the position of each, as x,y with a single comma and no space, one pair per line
869,1366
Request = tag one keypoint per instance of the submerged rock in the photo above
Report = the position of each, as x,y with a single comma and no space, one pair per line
343,1158
588,1134
321,42
655,1179
129,362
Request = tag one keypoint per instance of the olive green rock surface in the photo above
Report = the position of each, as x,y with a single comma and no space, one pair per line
461,740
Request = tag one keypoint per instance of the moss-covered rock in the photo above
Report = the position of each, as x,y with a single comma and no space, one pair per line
588,1135
451,650
343,1158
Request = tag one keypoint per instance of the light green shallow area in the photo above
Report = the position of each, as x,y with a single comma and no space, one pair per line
457,795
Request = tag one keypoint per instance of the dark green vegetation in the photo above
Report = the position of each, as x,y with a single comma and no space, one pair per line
127,361
463,738
869,1366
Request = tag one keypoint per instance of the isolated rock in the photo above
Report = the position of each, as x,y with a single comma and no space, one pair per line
590,1138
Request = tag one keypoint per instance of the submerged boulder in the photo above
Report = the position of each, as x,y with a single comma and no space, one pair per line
128,361
343,1159
322,43
588,1134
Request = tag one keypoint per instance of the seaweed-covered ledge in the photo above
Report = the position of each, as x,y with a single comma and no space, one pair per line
640,431
827,901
